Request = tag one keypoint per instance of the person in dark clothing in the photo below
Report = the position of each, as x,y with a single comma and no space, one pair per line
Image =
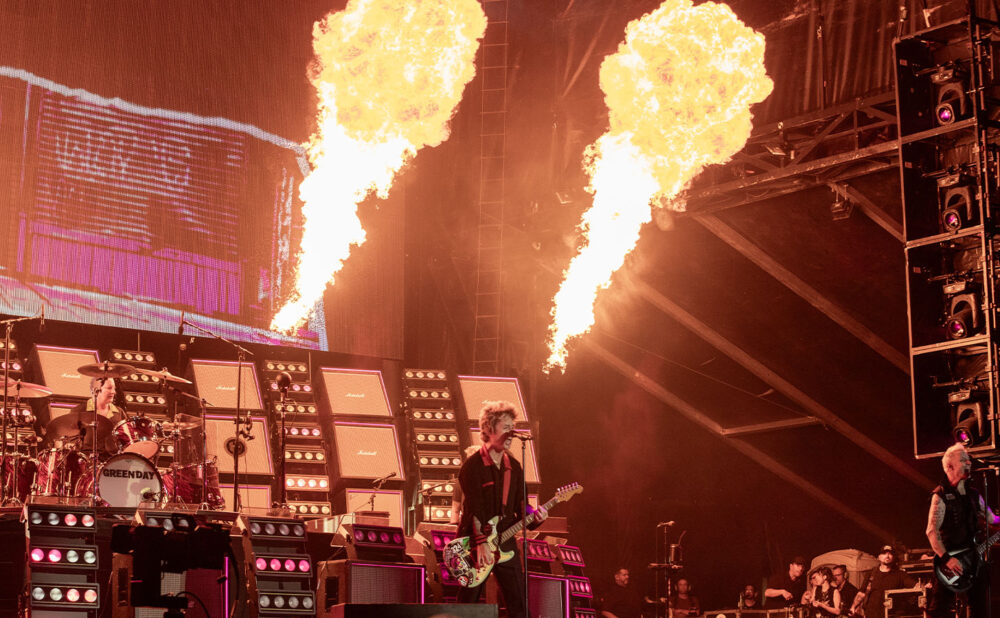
847,590
749,599
822,599
491,481
886,576
683,603
957,513
621,601
785,589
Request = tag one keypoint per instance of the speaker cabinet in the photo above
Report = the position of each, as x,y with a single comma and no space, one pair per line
531,469
367,451
202,582
386,500
56,368
548,596
355,392
477,390
451,610
255,457
256,496
346,581
216,383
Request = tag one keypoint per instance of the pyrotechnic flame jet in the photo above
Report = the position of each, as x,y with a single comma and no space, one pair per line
389,75
678,92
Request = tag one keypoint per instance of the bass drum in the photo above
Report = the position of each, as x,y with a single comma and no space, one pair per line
122,480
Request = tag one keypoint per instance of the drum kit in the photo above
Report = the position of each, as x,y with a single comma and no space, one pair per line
65,463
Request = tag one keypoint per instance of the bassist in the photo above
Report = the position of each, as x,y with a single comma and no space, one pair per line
491,481
957,513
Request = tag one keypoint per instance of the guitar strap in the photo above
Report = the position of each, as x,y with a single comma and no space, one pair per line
484,451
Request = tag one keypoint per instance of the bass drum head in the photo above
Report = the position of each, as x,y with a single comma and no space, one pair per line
124,477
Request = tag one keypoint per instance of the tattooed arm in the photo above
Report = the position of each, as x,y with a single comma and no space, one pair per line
934,520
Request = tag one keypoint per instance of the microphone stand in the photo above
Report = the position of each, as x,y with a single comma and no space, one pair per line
283,385
9,326
239,431
524,516
204,506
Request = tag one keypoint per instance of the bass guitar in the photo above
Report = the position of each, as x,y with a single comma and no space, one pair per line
460,554
970,558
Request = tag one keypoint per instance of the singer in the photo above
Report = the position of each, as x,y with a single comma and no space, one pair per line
491,480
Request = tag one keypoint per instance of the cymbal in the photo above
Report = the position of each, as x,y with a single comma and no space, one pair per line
77,423
163,374
179,425
27,390
106,370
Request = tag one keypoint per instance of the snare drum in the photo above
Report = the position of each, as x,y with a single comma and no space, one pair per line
122,480
59,470
139,434
187,489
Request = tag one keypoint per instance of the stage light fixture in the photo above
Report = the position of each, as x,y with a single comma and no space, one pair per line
963,317
970,423
952,103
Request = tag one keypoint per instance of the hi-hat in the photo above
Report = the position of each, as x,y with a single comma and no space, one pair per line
163,374
106,370
74,424
26,390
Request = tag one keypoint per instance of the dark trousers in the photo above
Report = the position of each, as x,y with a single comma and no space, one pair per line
511,579
942,601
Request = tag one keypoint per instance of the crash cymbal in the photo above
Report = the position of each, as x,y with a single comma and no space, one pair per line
106,370
26,390
179,426
163,374
74,424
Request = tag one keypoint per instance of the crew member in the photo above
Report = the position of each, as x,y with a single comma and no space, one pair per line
683,602
785,589
885,576
621,601
749,599
847,590
491,481
957,513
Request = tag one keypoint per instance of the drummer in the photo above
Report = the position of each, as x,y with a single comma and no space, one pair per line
103,389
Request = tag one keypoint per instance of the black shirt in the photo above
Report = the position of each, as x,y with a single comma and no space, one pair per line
623,602
784,582
877,582
847,593
482,488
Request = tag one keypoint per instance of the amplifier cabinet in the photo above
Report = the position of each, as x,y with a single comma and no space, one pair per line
451,610
366,451
355,392
348,581
216,382
56,368
255,455
477,390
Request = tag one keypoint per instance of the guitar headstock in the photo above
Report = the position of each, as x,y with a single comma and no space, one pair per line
566,492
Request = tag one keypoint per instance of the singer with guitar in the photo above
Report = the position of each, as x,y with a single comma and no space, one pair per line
958,512
491,481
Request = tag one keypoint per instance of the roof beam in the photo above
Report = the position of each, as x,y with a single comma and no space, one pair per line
763,459
776,381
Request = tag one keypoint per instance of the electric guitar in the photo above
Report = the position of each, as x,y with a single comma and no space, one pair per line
970,557
460,554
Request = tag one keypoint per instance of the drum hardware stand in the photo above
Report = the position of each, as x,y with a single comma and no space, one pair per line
284,380
670,563
204,506
9,327
16,457
93,426
239,430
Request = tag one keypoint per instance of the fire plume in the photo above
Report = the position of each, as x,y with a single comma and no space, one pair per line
678,91
388,76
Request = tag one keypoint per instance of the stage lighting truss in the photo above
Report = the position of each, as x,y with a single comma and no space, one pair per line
295,407
579,586
310,509
382,538
424,437
45,555
273,529
69,596
538,550
297,454
307,482
42,518
423,416
952,101
297,565
284,604
570,555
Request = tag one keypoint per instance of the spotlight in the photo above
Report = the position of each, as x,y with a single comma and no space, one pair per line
970,426
952,103
963,316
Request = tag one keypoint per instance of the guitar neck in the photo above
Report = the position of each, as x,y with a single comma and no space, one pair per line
509,532
988,543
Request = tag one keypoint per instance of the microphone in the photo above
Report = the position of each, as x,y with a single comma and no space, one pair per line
520,435
180,328
41,325
284,380
147,494
385,478
665,524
